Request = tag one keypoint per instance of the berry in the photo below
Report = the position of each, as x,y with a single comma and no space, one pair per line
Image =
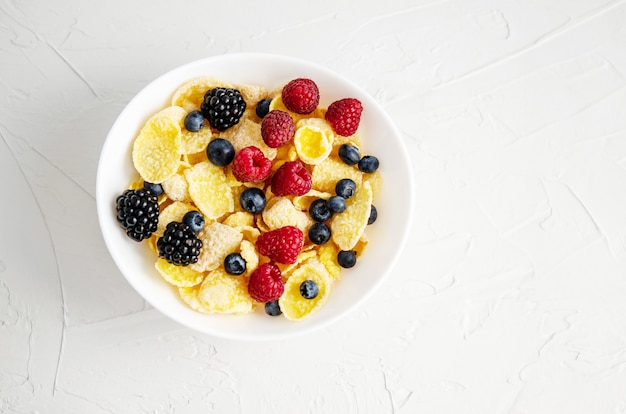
319,210
309,289
195,220
234,264
277,128
281,245
344,116
252,200
266,283
345,188
301,96
373,214
194,121
155,189
272,308
179,244
220,152
346,258
263,107
251,165
223,107
292,178
319,233
349,154
368,164
138,213
337,204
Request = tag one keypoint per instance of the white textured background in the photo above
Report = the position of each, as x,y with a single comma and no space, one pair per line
509,298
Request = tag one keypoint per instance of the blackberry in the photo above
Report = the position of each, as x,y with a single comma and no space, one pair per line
223,107
138,213
179,244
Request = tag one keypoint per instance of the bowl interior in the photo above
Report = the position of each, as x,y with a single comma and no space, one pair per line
380,137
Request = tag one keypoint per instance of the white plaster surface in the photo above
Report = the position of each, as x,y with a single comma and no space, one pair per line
510,296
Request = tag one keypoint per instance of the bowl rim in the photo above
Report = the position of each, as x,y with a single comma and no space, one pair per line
103,205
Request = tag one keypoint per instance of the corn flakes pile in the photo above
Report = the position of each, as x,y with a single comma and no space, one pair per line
251,198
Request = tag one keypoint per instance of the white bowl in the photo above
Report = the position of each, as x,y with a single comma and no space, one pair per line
387,235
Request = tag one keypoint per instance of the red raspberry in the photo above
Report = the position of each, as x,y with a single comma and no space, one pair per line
282,245
250,165
266,283
291,178
277,128
301,96
344,116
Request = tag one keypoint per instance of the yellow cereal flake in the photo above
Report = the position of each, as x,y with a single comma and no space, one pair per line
181,276
354,139
190,94
293,305
313,140
281,212
218,240
158,146
173,212
194,142
219,293
287,269
250,233
209,191
136,184
375,179
176,188
248,133
239,219
251,94
249,254
326,174
346,228
328,256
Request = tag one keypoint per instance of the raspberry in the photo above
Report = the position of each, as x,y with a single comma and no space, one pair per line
282,245
251,165
301,96
266,283
291,179
277,128
344,116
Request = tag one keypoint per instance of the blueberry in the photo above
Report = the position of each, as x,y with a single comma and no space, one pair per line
345,188
319,233
336,204
194,121
252,200
309,289
155,189
346,258
349,154
272,308
220,152
263,107
319,210
368,164
234,264
373,215
195,220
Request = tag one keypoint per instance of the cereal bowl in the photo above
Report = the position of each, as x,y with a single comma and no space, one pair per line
394,201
